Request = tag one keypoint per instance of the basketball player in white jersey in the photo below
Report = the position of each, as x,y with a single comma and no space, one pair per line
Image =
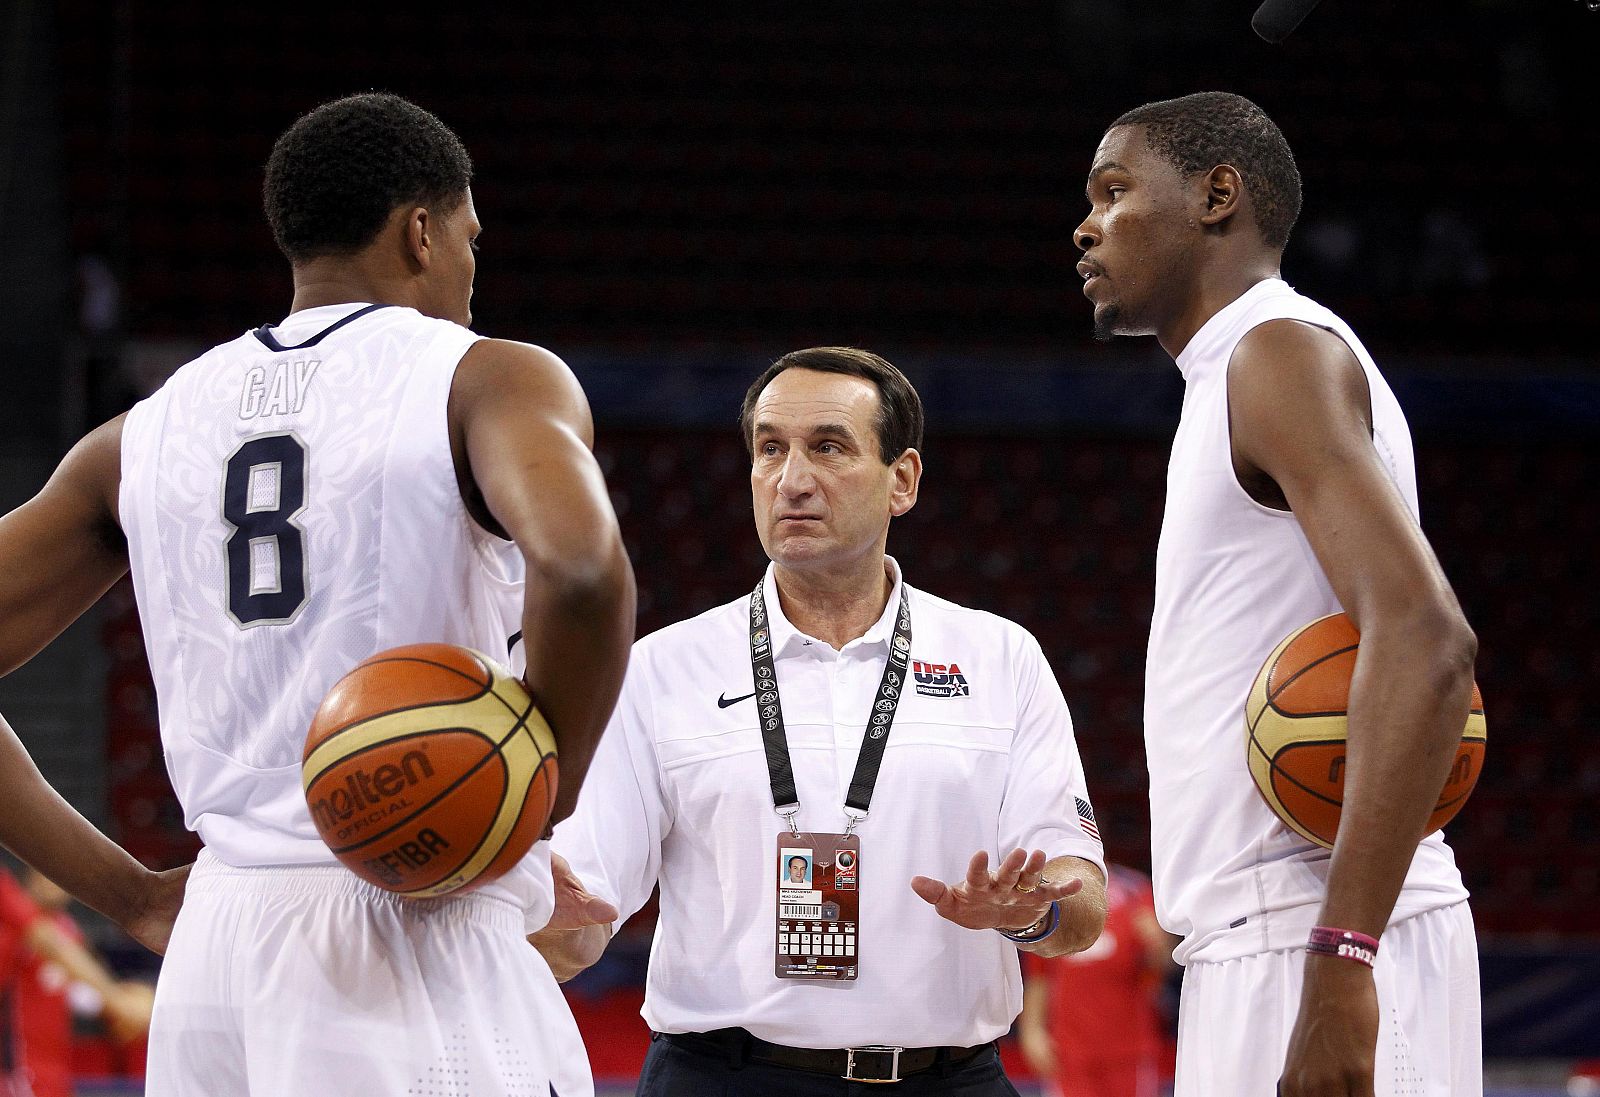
1291,494
366,473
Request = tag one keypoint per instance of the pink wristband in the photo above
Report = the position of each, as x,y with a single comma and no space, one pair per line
1344,943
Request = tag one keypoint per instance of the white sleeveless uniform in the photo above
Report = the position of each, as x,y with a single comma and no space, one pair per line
1233,578
291,508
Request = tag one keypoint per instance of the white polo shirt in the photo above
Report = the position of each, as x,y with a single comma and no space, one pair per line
679,794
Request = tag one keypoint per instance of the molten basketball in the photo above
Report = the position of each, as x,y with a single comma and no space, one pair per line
1295,725
429,770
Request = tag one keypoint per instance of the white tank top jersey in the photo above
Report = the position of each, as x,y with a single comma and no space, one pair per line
291,508
1233,578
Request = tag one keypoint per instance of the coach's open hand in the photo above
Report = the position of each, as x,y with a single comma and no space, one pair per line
1335,1038
1018,892
575,907
579,928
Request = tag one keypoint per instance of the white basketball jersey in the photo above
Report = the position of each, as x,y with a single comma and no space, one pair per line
291,508
1233,578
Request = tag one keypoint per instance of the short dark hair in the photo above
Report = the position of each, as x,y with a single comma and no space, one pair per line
336,175
1197,132
899,421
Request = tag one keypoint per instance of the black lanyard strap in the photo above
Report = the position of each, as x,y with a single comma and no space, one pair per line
769,707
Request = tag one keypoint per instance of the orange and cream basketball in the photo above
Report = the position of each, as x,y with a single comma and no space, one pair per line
1296,723
429,770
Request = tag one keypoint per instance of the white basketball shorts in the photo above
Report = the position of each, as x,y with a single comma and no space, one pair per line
1235,1017
304,980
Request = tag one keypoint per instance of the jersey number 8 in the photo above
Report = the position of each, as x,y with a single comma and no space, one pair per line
262,494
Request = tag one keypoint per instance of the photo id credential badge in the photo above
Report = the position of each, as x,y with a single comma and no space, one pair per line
818,903
819,875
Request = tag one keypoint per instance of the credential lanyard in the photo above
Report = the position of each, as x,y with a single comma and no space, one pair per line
770,711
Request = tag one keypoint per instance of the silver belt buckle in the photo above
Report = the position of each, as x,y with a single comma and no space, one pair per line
893,1053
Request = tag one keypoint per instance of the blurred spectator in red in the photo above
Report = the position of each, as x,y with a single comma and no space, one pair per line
18,915
51,988
40,949
1090,1025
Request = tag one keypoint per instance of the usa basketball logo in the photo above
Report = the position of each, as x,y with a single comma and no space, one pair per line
939,680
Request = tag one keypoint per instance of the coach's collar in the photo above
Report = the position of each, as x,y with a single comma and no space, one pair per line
788,640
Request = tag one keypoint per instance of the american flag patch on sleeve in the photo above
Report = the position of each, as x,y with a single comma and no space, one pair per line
1086,818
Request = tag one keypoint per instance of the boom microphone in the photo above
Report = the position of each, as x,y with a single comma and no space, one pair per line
1275,20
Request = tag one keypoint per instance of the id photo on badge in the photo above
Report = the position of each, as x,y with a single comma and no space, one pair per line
794,868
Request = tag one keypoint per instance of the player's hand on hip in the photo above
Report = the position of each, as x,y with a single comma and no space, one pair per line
1335,1038
575,907
150,922
1012,897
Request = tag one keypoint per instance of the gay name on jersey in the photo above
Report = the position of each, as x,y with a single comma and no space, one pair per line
279,391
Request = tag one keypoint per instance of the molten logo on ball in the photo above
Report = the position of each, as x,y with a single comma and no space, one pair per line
362,789
428,770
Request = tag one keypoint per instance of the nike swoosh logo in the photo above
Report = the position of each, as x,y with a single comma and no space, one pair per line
723,701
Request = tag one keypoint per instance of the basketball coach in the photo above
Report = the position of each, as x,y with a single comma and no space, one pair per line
859,800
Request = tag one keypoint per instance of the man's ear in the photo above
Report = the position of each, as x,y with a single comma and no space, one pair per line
907,478
1224,194
418,242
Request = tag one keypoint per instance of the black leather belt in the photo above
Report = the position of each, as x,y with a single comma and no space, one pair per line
869,1063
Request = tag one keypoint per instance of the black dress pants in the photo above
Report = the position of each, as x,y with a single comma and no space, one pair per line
675,1070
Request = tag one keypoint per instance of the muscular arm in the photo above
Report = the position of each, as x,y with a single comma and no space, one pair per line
522,425
62,549
59,552
1300,415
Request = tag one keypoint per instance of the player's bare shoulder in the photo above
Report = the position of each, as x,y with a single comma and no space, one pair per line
87,482
522,439
503,372
1296,393
1293,366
